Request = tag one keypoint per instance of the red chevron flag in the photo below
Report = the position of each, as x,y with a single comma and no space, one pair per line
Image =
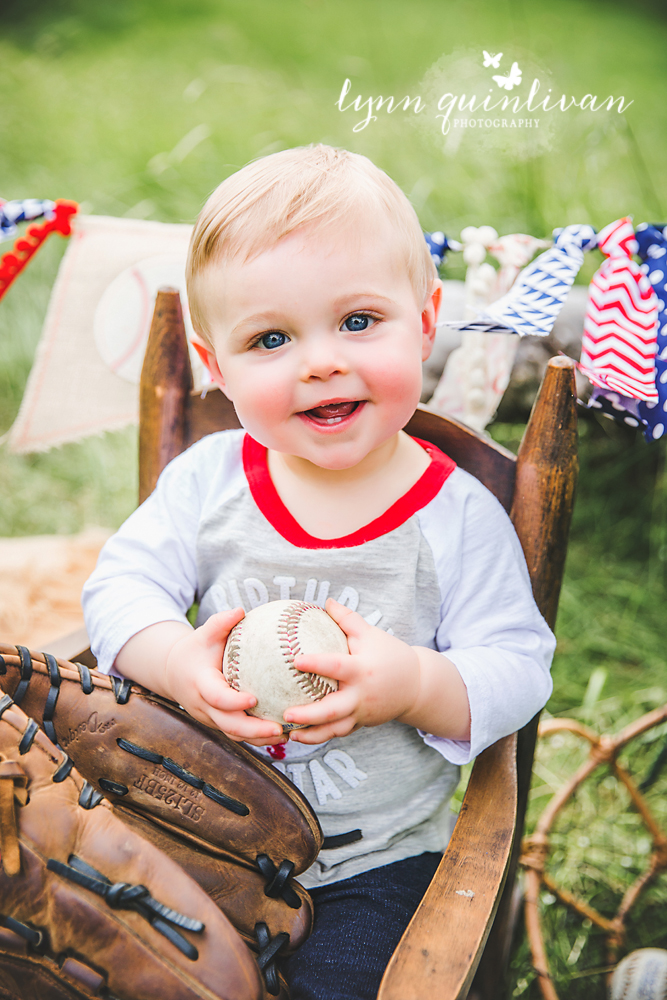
620,330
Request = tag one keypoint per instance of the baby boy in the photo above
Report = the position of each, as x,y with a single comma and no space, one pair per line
314,298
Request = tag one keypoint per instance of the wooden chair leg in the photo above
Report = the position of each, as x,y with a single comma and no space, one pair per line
439,951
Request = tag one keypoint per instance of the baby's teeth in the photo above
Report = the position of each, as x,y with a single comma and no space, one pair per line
334,420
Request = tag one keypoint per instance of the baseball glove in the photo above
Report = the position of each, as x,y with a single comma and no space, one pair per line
87,905
147,754
238,890
235,824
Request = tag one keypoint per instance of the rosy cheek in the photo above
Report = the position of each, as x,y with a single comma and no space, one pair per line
395,375
262,400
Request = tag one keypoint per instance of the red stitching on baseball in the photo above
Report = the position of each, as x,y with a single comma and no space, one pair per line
233,652
313,685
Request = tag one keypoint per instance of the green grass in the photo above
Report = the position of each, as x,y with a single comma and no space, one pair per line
139,109
97,97
94,483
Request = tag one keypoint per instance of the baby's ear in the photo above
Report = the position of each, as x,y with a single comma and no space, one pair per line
429,318
209,360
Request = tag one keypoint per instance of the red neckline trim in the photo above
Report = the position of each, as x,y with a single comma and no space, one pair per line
274,510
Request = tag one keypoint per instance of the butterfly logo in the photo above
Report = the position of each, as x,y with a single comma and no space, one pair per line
491,60
513,78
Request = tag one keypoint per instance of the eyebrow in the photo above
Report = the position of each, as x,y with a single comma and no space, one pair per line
257,319
267,320
354,296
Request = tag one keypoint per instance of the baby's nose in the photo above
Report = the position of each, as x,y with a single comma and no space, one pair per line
323,361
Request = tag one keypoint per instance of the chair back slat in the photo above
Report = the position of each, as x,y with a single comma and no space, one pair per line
489,462
546,477
166,383
209,413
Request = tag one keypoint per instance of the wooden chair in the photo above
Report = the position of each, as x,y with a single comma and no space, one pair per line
462,928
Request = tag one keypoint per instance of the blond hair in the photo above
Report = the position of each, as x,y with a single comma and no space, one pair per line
278,194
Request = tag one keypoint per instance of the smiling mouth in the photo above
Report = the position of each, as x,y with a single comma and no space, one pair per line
332,413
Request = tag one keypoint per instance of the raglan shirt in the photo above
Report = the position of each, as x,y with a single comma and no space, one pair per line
441,568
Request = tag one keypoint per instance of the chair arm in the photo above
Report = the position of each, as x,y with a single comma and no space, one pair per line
441,947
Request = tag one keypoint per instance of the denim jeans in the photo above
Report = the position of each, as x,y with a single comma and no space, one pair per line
358,923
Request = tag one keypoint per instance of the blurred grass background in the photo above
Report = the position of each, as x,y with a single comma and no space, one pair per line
140,109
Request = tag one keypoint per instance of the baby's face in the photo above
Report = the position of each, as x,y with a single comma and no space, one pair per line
319,341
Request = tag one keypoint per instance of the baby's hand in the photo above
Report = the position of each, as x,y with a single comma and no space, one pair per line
377,681
194,679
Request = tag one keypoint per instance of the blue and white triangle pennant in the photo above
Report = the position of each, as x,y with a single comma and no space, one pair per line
531,306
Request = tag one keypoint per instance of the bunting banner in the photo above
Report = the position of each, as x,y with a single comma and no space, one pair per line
619,340
439,244
652,249
58,219
13,212
533,303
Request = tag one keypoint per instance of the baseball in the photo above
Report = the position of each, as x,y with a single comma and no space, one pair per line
260,651
642,975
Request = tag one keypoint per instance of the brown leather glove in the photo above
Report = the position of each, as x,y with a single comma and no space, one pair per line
87,905
235,824
238,890
147,754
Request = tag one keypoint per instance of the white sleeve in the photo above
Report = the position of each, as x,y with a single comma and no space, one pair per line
490,627
146,573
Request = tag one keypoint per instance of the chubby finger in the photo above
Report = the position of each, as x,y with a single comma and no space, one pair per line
320,734
240,726
339,666
271,742
331,708
215,691
216,628
352,624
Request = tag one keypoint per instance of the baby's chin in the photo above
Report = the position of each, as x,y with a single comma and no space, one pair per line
341,457
343,450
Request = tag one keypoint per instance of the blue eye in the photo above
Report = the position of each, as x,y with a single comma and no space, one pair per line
357,323
271,340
